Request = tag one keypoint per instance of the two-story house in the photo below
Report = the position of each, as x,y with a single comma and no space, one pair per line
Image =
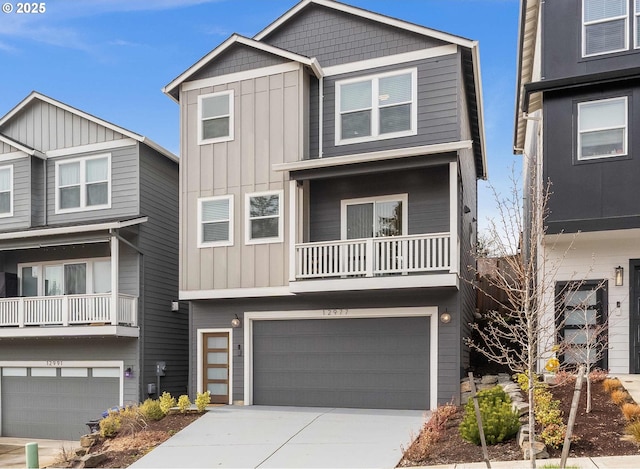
577,115
88,262
327,210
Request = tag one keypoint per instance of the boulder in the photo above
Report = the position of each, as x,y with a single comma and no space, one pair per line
539,449
87,441
489,379
92,460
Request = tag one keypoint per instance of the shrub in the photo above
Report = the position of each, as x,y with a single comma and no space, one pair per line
611,384
633,429
167,402
110,425
499,421
553,435
151,409
564,377
132,420
598,375
202,400
620,396
631,411
431,433
184,403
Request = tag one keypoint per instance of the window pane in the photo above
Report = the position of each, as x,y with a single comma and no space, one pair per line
218,231
75,279
264,206
580,317
581,298
53,280
97,170
603,114
5,202
217,342
215,106
360,221
603,143
605,37
69,173
217,389
70,197
102,277
395,89
215,128
356,124
217,373
217,358
29,282
388,219
213,210
355,96
264,228
98,194
5,179
601,9
395,118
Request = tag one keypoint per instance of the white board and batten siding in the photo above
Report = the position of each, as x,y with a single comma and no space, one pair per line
267,130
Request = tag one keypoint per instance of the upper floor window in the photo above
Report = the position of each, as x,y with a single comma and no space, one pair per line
265,220
215,221
378,107
83,184
602,128
6,191
605,26
215,117
374,217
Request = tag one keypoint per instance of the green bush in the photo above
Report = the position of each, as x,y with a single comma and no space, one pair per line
151,409
202,400
167,402
184,403
110,425
499,421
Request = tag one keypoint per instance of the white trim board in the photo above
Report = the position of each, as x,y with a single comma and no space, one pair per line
427,311
102,146
73,229
70,331
233,293
200,362
427,280
239,76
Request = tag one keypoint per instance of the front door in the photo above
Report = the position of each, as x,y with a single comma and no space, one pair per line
634,312
216,362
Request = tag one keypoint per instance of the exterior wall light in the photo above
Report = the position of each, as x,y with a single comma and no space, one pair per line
235,322
128,373
445,318
619,277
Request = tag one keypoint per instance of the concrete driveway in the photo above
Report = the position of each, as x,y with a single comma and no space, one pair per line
12,451
286,437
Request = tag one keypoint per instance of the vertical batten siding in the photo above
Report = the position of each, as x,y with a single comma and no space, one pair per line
47,127
124,188
165,331
267,121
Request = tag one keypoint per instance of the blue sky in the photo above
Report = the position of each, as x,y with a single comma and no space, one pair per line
112,57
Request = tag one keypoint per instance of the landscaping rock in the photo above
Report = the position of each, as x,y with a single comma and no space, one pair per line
521,407
539,449
504,378
510,387
464,398
81,452
465,386
523,435
489,379
92,460
87,441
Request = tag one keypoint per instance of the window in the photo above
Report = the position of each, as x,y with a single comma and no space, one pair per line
215,117
605,27
374,217
377,107
6,191
77,277
265,220
83,184
602,128
215,225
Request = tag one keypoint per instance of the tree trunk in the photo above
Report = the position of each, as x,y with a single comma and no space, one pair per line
532,422
588,395
572,417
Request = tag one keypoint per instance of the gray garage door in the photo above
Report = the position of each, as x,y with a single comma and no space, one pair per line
54,407
378,363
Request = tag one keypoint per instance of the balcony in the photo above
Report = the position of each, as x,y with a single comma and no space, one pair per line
391,262
28,316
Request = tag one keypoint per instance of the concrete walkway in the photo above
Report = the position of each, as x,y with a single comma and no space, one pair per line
286,437
12,452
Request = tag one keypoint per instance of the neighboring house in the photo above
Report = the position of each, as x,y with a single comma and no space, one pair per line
577,120
88,262
327,211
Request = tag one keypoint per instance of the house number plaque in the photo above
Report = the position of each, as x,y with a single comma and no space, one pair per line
54,362
335,312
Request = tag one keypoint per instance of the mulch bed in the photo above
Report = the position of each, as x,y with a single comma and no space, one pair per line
599,433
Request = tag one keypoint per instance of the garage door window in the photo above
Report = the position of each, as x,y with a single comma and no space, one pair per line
44,372
74,372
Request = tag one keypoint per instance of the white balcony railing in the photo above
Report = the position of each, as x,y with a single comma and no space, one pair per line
374,256
68,310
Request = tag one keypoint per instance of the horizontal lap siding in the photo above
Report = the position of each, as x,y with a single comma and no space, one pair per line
22,185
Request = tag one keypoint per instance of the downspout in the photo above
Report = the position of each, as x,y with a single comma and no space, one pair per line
320,113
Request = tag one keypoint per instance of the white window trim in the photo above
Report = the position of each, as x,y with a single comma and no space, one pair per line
226,138
375,108
11,195
625,140
404,198
83,184
606,20
209,244
247,207
41,265
636,18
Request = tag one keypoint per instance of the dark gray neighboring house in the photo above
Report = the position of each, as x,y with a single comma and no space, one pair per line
327,211
88,262
578,122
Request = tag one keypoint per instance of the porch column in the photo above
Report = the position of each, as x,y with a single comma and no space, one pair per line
454,242
293,228
115,255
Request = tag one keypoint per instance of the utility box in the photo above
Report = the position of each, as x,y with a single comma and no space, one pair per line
151,388
161,368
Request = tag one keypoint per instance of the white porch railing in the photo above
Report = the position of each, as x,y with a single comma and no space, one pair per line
374,256
67,310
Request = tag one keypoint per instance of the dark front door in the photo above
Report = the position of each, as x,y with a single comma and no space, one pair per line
634,317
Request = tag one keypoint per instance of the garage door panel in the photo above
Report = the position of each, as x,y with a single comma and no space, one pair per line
376,362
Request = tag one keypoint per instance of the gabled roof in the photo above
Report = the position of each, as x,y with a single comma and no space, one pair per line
172,88
34,95
19,146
